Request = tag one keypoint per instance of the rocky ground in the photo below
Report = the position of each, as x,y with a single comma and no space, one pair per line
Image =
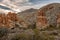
49,33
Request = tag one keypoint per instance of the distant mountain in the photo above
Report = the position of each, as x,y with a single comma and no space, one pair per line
29,15
49,15
29,10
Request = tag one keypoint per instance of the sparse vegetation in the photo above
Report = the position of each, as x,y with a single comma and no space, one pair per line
33,26
50,27
3,32
22,36
38,35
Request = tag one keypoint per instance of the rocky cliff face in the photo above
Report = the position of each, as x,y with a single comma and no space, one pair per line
10,20
49,15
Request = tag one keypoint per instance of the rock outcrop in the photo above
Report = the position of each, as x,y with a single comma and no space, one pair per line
11,20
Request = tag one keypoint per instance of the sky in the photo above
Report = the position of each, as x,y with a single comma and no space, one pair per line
26,4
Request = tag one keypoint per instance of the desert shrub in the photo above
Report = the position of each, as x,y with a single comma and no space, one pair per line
32,26
46,36
50,27
36,31
40,35
36,36
21,36
3,32
58,27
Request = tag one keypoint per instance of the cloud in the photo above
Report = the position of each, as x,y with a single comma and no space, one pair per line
26,4
1,0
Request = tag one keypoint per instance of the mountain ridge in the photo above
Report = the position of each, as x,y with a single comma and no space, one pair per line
47,15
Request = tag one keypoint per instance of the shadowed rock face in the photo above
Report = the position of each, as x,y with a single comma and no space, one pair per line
48,15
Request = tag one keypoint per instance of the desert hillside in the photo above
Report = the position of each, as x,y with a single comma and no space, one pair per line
31,24
49,15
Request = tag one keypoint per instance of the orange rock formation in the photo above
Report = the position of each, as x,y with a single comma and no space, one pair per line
9,20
